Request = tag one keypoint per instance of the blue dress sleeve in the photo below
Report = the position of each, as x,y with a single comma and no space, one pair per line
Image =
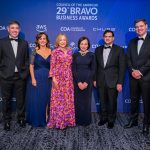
32,57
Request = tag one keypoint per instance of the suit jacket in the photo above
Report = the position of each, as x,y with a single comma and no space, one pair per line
8,60
142,61
113,73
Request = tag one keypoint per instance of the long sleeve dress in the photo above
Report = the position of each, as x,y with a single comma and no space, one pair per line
83,71
62,113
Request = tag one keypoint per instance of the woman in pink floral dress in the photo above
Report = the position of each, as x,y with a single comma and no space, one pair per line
62,113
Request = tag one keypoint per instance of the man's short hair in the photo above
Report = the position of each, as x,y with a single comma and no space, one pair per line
141,19
14,22
108,31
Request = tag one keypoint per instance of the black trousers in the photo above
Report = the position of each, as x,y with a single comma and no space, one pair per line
17,85
108,103
139,88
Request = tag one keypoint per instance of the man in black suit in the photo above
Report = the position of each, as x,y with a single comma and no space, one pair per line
138,57
13,73
111,64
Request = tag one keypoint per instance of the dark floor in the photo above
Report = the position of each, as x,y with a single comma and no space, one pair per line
92,137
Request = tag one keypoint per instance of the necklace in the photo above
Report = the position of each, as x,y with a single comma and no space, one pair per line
83,53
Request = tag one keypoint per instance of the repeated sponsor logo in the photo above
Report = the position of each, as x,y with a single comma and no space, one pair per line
97,104
127,101
132,29
98,29
32,45
72,29
124,46
94,46
73,46
2,27
41,28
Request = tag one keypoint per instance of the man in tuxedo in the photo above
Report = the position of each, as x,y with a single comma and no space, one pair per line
138,58
111,64
14,64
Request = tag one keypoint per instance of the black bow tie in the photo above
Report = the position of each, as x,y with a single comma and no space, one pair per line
11,39
106,47
141,39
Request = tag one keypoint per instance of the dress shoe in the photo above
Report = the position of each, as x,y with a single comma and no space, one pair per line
7,126
22,123
131,124
145,129
110,125
102,122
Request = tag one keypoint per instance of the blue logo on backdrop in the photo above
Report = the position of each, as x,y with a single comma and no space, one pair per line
41,28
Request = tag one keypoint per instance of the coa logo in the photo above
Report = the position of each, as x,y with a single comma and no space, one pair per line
32,45
129,101
95,45
41,28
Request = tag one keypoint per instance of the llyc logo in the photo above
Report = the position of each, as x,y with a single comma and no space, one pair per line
41,28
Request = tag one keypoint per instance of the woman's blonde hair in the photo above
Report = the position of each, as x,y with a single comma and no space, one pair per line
58,39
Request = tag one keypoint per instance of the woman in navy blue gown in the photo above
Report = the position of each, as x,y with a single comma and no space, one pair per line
39,83
83,72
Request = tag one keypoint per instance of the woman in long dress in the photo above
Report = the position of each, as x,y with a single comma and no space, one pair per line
83,71
62,112
39,83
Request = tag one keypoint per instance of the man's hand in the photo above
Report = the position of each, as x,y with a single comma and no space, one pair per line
136,74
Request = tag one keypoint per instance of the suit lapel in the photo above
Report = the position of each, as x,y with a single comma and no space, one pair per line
101,57
10,48
135,47
146,41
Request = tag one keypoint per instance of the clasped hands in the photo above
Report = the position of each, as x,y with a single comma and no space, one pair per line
136,74
83,85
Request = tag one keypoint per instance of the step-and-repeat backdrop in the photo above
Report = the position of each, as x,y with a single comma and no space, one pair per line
77,18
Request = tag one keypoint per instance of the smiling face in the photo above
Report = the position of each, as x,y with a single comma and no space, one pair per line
13,30
62,41
42,40
84,45
141,28
108,38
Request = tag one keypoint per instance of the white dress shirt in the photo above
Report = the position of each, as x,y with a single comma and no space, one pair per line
106,52
15,47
